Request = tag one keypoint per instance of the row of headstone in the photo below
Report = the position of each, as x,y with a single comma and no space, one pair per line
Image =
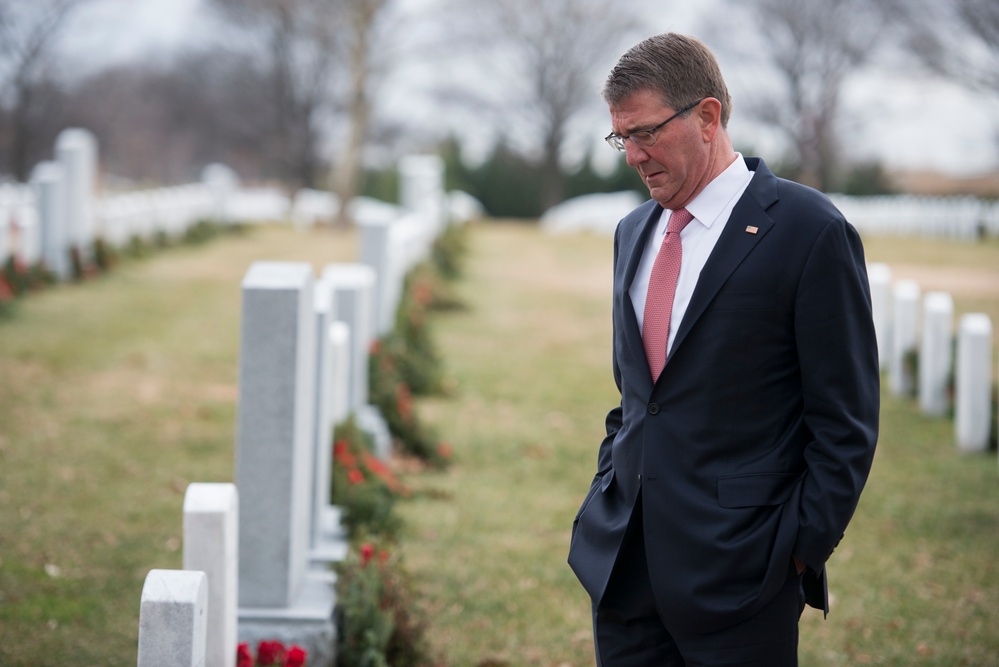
305,343
59,211
42,221
921,355
148,214
296,365
19,230
391,249
966,218
421,192
304,350
958,217
62,211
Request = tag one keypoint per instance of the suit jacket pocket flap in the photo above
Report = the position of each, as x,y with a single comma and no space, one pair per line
756,489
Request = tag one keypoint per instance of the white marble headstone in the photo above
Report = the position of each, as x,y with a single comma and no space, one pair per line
211,542
905,338
173,619
973,389
275,431
936,353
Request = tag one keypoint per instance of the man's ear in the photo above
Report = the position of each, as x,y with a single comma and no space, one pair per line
709,114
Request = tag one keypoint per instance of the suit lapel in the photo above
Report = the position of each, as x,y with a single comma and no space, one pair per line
736,241
635,245
632,249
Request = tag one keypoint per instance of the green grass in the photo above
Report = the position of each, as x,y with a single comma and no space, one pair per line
114,395
914,582
117,393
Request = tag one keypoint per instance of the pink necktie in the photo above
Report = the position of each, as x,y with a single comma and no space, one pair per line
662,289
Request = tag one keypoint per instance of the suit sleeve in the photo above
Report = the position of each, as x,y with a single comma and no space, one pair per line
837,351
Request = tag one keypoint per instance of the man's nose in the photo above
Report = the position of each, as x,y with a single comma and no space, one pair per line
634,154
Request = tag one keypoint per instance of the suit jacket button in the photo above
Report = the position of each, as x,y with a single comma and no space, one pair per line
653,408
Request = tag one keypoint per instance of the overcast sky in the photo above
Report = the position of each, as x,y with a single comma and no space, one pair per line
908,122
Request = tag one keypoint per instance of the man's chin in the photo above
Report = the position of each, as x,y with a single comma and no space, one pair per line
661,196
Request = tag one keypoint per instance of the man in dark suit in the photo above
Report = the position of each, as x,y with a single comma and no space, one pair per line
745,356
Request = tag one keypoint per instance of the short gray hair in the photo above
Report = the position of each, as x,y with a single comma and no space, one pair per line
679,68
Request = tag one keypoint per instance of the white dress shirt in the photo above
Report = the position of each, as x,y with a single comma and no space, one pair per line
711,210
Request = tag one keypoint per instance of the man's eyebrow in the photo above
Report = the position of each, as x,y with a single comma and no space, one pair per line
632,130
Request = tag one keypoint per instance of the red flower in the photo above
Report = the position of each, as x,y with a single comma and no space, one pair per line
378,467
6,293
367,551
295,657
403,402
270,653
243,656
341,453
444,450
355,476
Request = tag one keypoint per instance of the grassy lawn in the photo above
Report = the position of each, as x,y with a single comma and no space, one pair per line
114,395
117,393
915,580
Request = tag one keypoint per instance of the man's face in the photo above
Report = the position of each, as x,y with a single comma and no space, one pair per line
674,167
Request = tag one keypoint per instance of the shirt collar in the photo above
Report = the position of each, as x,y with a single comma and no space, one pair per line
716,195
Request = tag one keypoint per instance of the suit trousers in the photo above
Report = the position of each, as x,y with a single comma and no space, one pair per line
629,632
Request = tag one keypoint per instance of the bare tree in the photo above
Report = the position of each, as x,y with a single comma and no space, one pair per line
28,31
364,67
391,46
542,64
958,40
300,49
810,49
163,121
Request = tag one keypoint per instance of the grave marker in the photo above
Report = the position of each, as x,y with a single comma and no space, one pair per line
211,541
76,151
173,619
905,337
879,276
275,430
935,356
973,383
354,295
356,302
223,183
421,187
376,252
327,541
279,597
47,180
340,350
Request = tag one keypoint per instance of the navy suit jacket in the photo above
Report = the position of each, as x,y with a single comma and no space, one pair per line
754,444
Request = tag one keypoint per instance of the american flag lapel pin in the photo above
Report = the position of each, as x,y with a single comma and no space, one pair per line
752,230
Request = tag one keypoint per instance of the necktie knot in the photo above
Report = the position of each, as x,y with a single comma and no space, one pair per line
678,219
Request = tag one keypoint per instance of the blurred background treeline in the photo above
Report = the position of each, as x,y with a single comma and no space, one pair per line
328,93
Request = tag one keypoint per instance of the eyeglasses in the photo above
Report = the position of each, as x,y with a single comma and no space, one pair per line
646,138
